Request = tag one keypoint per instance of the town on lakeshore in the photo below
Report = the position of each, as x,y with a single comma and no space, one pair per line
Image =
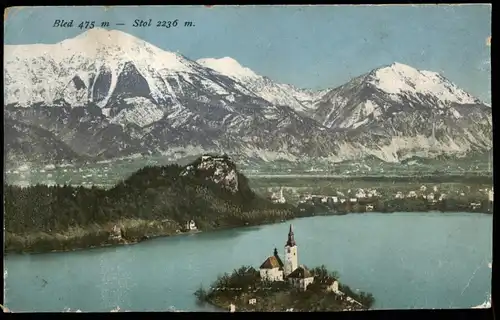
283,286
423,197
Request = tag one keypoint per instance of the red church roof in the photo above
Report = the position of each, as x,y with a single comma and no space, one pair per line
270,263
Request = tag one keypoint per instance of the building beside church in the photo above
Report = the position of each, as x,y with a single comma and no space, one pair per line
274,269
329,284
301,278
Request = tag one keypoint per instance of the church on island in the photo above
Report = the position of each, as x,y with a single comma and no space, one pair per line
273,268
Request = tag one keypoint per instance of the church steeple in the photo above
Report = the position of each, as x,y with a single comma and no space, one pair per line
291,240
291,258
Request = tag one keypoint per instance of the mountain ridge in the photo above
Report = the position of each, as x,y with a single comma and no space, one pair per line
122,96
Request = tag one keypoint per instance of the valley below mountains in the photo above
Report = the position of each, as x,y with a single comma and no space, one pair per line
106,94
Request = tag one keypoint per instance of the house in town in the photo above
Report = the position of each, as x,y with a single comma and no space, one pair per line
191,226
475,205
361,194
278,198
116,233
412,194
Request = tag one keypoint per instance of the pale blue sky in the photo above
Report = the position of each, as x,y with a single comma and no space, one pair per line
308,46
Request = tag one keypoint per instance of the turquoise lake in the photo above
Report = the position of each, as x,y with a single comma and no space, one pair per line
406,260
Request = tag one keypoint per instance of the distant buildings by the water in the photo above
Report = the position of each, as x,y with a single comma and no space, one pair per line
278,198
367,199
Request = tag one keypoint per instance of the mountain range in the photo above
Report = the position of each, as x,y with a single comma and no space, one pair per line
106,94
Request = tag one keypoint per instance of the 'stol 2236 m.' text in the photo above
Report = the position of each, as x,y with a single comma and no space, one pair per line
137,23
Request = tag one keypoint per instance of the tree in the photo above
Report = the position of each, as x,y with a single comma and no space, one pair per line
151,194
322,273
201,293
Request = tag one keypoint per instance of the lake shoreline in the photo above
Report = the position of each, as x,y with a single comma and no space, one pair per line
143,238
106,245
388,258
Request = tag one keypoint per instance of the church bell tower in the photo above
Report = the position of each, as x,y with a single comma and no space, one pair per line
291,259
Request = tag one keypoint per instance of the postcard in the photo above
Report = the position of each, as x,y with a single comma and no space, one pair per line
247,158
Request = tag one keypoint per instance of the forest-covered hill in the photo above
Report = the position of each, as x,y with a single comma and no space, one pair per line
153,201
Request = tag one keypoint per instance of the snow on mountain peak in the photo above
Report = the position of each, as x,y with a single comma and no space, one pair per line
120,44
102,44
401,67
38,72
277,93
228,67
399,78
100,34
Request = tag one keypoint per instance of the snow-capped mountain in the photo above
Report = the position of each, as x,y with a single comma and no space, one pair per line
106,67
108,94
397,111
281,94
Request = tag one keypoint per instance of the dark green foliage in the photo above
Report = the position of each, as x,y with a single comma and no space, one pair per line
364,298
150,194
201,294
245,283
244,280
322,273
